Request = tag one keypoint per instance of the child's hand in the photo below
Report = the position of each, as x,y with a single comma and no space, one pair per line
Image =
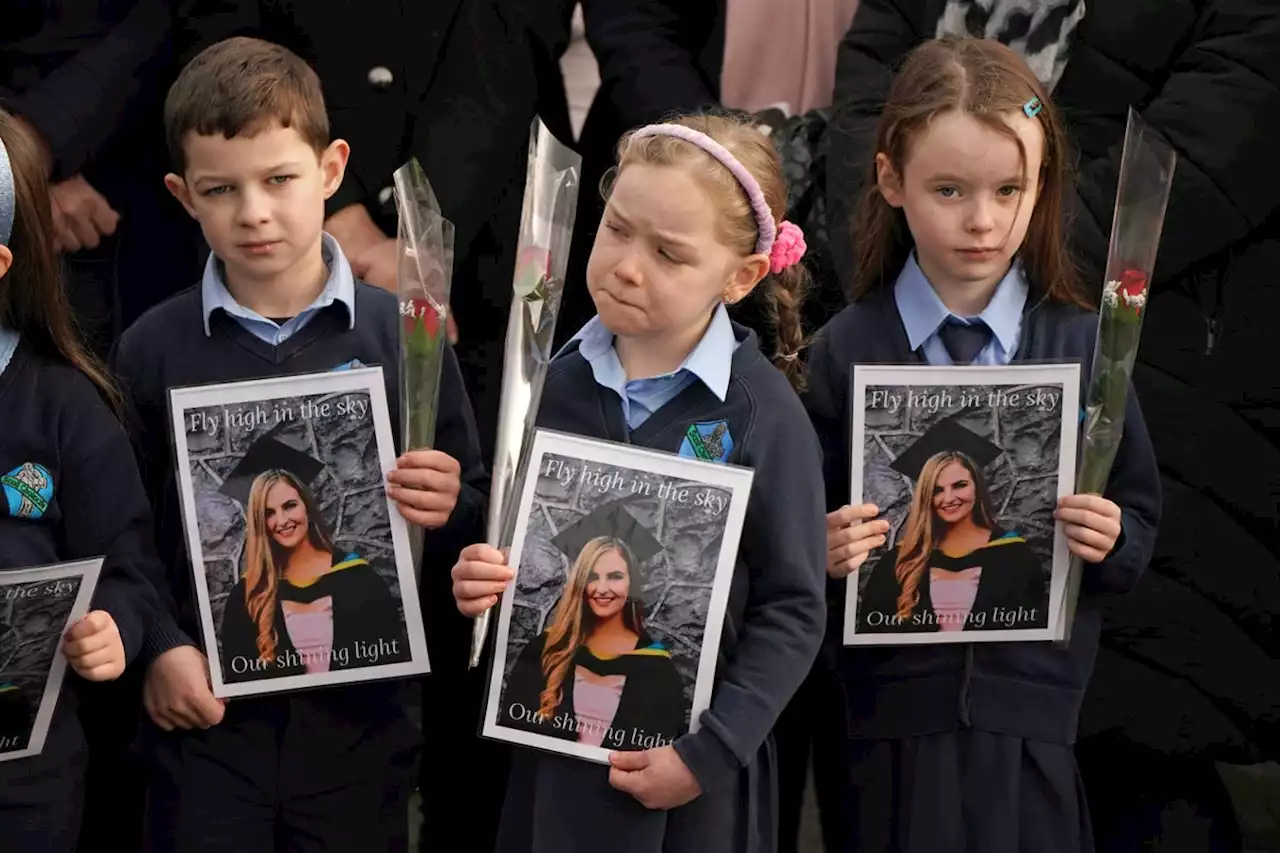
177,693
93,647
1092,525
425,484
657,778
479,578
850,537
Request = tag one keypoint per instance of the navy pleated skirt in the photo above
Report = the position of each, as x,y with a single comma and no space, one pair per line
966,792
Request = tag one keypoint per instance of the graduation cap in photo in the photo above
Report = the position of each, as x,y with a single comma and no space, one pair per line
611,519
946,436
266,454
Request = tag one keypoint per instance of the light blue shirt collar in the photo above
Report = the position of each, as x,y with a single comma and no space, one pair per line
711,360
339,287
8,345
923,313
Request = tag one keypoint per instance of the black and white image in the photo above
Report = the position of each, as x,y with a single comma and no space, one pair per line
607,640
37,607
967,464
301,562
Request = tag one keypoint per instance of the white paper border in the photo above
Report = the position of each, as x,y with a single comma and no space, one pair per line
736,479
88,571
367,380
1014,376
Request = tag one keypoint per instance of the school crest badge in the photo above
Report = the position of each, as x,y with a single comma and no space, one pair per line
28,489
710,441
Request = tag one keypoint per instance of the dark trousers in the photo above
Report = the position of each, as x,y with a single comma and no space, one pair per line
1144,802
41,797
285,775
463,776
115,780
814,727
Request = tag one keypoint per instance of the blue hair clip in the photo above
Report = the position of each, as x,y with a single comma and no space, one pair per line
1032,107
7,198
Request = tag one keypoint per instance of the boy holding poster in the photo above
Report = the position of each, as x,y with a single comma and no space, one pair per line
69,490
254,164
695,221
968,746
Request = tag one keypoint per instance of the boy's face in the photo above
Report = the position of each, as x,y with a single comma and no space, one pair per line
259,198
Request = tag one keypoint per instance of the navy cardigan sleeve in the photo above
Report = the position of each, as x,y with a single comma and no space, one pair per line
145,409
783,548
1134,486
106,515
84,102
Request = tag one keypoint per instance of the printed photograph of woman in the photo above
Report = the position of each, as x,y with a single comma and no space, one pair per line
595,675
302,605
955,567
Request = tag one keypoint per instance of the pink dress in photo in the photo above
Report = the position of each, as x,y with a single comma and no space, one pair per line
595,703
953,594
310,629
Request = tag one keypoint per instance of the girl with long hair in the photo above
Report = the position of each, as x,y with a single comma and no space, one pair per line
595,675
69,490
962,260
694,222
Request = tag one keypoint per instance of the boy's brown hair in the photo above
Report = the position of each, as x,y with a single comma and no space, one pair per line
238,85
984,80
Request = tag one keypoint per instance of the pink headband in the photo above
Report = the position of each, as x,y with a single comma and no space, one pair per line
784,243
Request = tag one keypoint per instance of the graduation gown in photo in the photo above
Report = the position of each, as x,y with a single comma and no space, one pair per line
364,613
1012,589
16,717
652,702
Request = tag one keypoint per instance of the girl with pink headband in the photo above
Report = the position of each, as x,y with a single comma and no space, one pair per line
694,222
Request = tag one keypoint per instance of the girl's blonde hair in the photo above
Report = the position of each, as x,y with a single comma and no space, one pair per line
783,292
264,560
573,620
986,81
921,536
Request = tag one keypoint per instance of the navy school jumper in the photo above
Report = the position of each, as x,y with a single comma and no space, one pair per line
337,763
57,423
1028,691
772,630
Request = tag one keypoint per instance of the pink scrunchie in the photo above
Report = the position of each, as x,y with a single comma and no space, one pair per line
788,248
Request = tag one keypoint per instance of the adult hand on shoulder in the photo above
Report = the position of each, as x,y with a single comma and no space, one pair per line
378,264
425,486
657,778
851,537
177,693
1092,525
81,215
93,647
479,577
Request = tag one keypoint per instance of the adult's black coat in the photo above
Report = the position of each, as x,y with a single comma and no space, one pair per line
1189,663
656,57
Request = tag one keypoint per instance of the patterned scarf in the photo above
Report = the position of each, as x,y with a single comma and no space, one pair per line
1039,30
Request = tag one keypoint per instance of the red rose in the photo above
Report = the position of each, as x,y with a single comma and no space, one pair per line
1133,283
412,309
